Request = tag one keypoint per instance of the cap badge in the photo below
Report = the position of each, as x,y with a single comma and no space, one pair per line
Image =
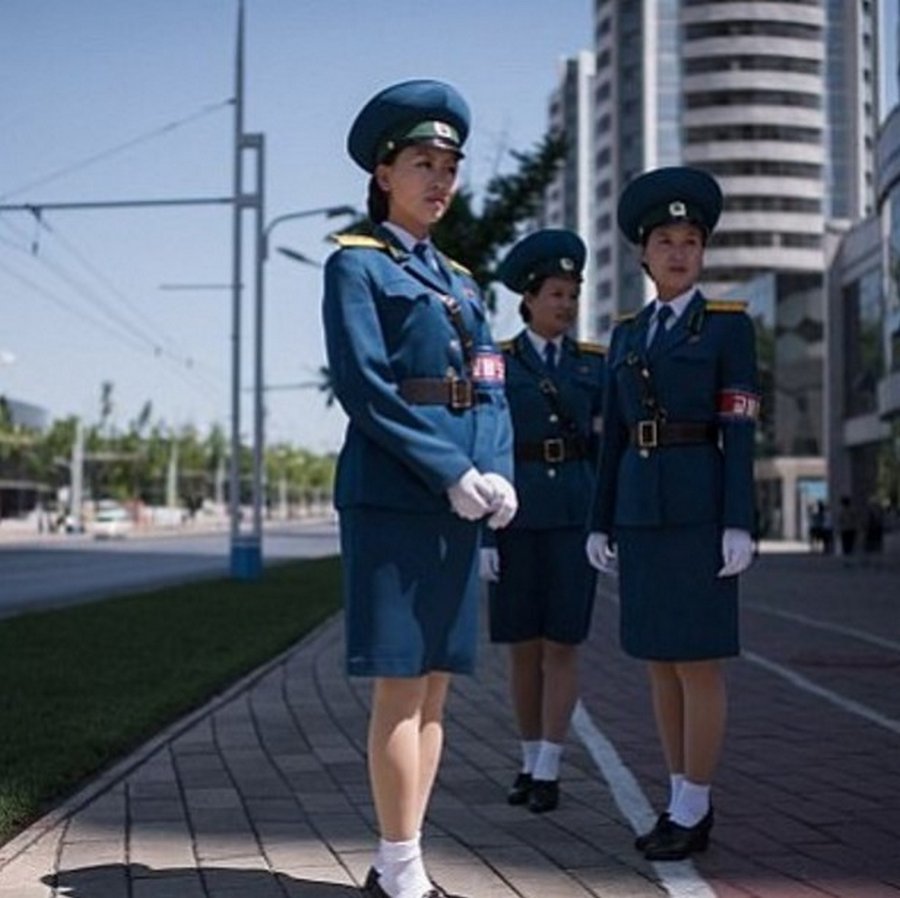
677,209
442,129
566,264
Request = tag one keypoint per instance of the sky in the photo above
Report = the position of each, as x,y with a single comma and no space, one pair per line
109,100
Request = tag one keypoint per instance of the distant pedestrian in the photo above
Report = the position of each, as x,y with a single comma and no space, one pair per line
873,531
817,526
848,525
827,530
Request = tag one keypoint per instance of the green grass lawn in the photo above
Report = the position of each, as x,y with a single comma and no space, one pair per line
81,686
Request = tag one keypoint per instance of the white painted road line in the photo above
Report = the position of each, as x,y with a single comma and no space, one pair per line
804,683
840,629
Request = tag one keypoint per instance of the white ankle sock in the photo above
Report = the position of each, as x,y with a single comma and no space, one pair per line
378,862
403,873
675,781
547,765
692,804
530,750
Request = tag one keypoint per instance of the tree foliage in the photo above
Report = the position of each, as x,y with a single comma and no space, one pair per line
510,205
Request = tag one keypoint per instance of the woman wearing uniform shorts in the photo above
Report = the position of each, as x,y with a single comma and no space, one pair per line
543,590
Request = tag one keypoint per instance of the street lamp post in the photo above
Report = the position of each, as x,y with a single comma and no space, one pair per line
251,548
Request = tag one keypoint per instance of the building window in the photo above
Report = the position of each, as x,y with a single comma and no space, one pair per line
863,343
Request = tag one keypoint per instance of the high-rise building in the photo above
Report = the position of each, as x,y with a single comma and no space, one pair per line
567,203
779,101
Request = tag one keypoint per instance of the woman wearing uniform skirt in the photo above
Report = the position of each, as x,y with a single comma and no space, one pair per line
673,508
426,458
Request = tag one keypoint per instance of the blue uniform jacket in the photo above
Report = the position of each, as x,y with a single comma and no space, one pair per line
384,322
554,495
706,372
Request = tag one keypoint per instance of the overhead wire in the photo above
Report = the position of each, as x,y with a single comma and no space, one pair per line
86,162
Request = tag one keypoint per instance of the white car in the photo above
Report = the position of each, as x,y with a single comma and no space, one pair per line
111,522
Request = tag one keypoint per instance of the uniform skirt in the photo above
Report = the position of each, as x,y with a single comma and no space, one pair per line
546,587
411,592
673,606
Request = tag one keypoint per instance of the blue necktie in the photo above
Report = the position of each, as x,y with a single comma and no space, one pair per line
662,317
425,252
550,355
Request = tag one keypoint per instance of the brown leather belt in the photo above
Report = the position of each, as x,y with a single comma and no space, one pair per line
651,434
455,394
552,451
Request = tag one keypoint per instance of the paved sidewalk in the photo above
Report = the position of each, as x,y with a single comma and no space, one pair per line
263,791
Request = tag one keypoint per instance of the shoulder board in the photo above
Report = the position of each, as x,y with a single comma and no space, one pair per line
593,348
457,266
506,345
359,241
625,317
725,305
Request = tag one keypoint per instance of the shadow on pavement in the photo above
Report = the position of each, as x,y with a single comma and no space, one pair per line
115,880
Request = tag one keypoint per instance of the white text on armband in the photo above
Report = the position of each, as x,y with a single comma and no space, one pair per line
738,405
488,367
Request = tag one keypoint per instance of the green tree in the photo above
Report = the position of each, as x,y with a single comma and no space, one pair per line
511,203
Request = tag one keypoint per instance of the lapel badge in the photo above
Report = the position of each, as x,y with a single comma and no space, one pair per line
677,209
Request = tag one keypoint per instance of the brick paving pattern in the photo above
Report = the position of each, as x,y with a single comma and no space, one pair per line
263,792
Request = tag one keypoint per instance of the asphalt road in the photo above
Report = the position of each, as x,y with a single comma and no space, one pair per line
53,571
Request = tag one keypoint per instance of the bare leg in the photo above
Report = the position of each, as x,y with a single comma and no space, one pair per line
705,712
431,737
395,768
560,689
668,708
527,686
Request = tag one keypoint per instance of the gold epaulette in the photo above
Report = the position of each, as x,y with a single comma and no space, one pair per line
626,317
359,240
593,348
457,266
505,345
725,305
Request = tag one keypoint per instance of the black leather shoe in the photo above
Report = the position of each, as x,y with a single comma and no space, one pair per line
675,843
520,791
371,882
374,889
642,841
544,796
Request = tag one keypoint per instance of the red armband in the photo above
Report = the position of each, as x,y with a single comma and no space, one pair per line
488,368
738,405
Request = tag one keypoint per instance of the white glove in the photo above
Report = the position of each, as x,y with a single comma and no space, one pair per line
505,504
471,496
489,565
737,552
600,555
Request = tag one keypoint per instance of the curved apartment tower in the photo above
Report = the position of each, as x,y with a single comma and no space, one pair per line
754,116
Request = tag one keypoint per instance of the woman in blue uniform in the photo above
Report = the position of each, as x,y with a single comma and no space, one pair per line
426,458
541,601
675,488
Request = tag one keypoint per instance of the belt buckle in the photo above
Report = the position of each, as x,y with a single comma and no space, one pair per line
460,394
554,451
647,434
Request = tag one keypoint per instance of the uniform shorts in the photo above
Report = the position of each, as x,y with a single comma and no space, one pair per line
546,587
